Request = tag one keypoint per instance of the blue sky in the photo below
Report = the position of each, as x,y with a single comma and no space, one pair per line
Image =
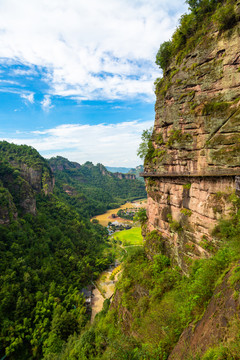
76,77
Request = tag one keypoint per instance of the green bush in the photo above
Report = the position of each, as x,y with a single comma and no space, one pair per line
164,55
193,26
201,7
225,17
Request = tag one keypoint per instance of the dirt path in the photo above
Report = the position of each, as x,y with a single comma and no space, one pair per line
97,303
104,290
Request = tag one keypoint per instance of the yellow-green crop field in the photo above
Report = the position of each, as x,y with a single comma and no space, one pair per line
129,237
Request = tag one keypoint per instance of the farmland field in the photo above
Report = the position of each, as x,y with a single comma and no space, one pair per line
106,217
129,237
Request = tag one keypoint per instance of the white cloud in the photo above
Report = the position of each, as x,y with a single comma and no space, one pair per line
9,82
91,49
28,97
109,144
22,72
46,103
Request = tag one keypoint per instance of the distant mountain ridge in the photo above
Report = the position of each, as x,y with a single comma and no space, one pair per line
123,170
137,170
92,189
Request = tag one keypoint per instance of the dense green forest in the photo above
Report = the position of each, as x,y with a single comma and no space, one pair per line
45,262
154,302
49,248
91,189
48,253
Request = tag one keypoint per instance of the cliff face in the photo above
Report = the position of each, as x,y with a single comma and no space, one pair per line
61,164
125,176
23,174
192,166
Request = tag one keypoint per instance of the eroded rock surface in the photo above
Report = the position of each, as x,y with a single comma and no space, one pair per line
191,169
23,174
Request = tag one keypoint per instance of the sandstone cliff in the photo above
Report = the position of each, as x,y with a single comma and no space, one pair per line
23,175
125,176
194,159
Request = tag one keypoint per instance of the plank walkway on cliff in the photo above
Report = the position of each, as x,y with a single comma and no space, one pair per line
192,174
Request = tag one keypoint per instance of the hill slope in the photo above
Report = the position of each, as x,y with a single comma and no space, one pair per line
91,189
48,253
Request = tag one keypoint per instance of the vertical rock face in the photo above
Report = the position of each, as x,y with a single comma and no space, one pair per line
23,174
39,179
193,163
125,176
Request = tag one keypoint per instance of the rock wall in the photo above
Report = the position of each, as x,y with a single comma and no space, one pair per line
125,176
192,164
39,179
186,210
23,174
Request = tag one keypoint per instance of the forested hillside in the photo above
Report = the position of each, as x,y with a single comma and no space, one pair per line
178,297
48,253
91,189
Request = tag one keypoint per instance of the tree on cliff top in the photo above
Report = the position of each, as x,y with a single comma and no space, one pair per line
194,25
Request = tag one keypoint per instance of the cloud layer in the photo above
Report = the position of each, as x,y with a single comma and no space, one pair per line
89,49
110,144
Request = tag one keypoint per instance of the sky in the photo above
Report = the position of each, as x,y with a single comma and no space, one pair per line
77,77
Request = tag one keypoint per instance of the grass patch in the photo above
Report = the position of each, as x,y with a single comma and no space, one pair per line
130,237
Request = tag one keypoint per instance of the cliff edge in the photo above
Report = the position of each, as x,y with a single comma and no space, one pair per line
193,162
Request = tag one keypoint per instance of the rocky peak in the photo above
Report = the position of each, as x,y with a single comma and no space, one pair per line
60,163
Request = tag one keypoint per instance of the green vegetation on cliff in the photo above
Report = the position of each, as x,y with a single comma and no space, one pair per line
193,27
22,154
155,302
